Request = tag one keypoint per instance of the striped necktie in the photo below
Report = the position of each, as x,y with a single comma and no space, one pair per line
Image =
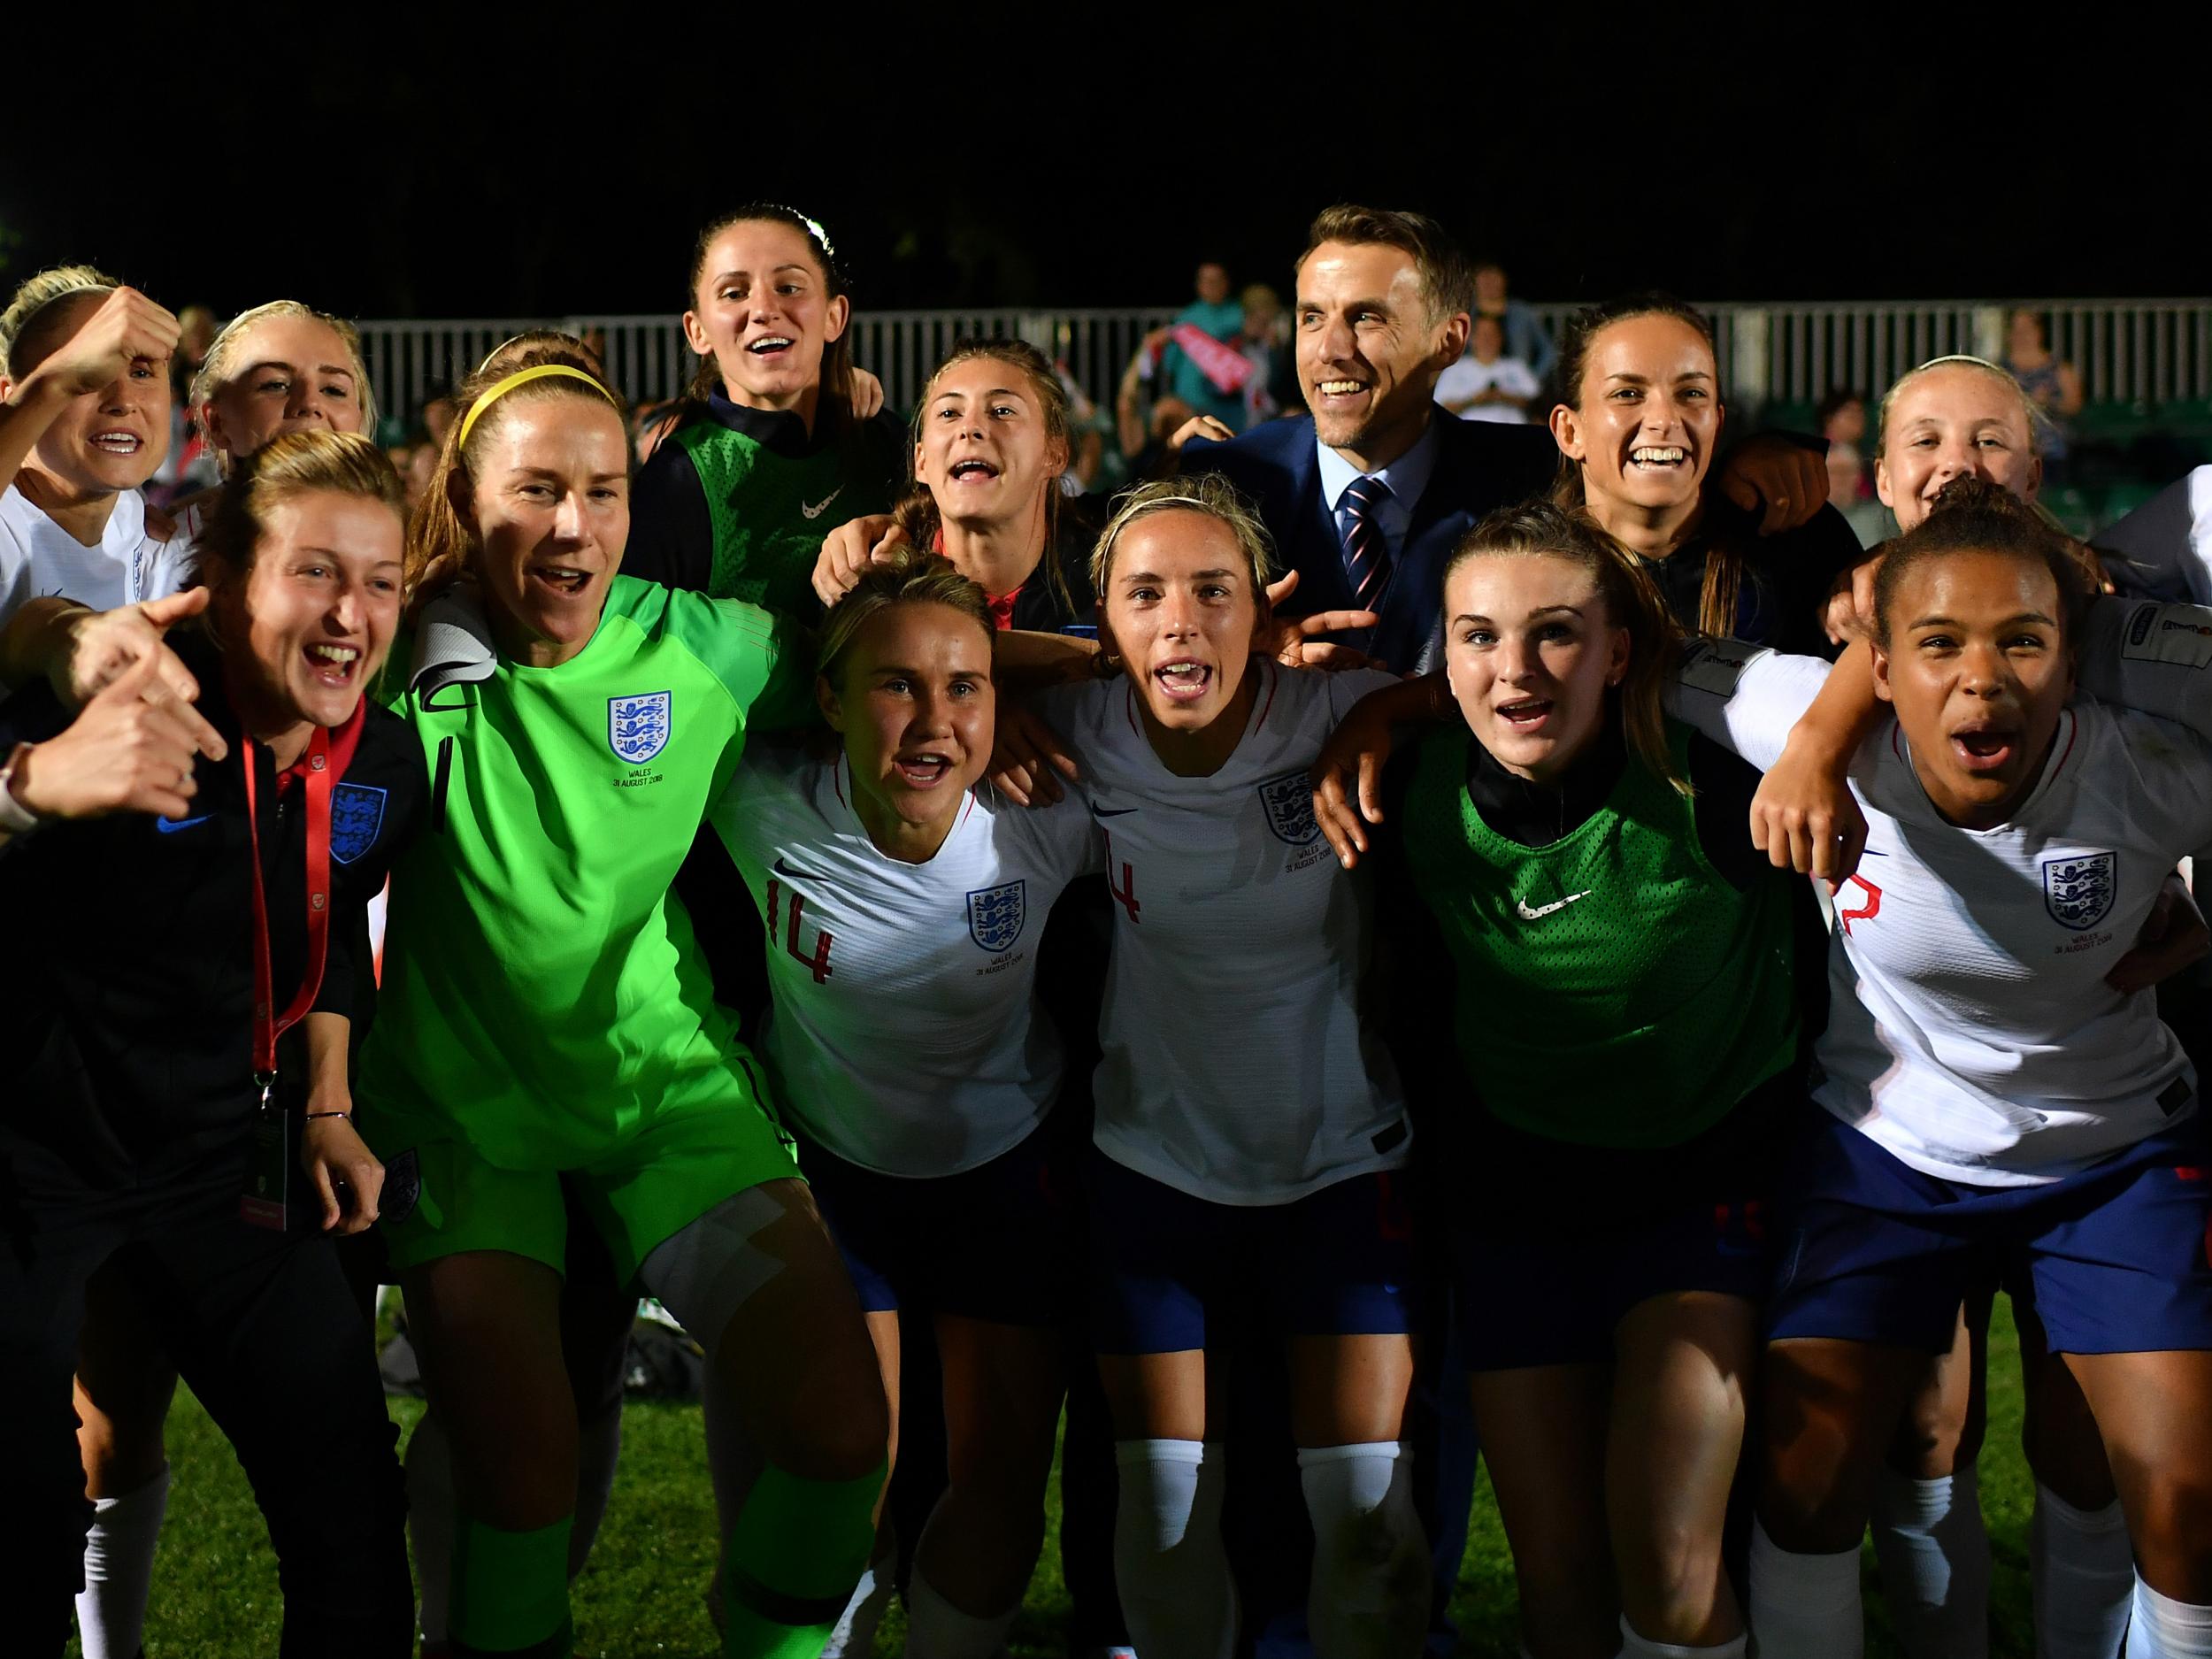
1366,550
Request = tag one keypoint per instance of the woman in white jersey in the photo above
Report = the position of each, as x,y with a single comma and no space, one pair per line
1993,1100
1250,1127
1951,418
84,367
904,908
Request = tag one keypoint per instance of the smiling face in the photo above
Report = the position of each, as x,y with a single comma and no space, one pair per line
1530,654
1179,610
762,307
1948,421
112,438
319,609
1645,419
985,453
916,707
548,490
1368,350
1976,666
285,375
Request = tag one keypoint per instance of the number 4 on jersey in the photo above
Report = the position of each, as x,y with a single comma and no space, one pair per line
1126,893
820,962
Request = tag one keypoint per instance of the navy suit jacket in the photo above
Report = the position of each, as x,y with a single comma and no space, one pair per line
1480,465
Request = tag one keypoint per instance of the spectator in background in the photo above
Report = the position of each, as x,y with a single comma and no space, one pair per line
1525,336
2054,384
1210,382
1486,384
1265,344
1842,418
437,416
190,466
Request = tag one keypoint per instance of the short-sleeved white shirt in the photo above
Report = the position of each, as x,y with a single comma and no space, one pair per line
39,559
1971,1032
1467,377
905,1035
1237,1064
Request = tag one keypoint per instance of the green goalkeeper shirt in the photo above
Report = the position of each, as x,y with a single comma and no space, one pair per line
542,994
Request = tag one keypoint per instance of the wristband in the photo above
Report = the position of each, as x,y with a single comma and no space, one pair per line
15,817
310,1117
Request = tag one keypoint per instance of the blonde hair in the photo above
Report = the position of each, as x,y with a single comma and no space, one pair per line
32,296
1545,529
2032,418
910,575
296,463
441,548
217,370
1207,493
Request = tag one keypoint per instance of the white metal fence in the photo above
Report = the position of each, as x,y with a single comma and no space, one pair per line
2129,351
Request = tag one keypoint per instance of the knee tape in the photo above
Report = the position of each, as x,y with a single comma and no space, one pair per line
709,1270
510,1589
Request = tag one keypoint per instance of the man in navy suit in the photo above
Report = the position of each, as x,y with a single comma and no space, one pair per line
1366,496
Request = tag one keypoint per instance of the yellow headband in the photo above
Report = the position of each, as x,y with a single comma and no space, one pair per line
498,389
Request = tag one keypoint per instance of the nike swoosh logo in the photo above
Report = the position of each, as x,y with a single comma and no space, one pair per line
1528,915
783,869
170,825
817,511
1111,811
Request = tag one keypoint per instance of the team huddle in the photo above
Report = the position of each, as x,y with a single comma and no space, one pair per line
1394,936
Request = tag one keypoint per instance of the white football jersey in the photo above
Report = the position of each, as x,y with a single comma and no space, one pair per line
1237,1066
905,1035
39,559
2166,543
1972,1033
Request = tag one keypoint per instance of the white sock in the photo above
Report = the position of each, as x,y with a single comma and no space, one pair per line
1804,1607
935,1629
854,1634
1934,1554
1635,1646
1370,1595
598,1449
2082,1572
118,1569
430,1508
1175,1592
2163,1628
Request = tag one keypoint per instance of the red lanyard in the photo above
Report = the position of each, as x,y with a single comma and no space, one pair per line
267,1024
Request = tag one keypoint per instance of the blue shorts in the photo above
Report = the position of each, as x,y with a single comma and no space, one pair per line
1339,1262
2116,1259
1555,1298
997,1243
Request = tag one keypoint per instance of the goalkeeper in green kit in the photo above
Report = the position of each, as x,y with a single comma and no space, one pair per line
546,1016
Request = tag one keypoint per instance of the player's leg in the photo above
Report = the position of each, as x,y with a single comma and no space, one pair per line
1153,1250
2155,1410
478,1251
2121,1267
1928,1530
275,1346
2080,1565
123,1389
790,1354
1869,1292
1003,1390
1341,1261
1681,1375
992,1249
1543,1440
44,1264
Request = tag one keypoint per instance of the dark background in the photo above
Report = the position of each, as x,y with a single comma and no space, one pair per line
387,163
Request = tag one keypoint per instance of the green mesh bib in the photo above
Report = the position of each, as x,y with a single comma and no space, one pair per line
1614,989
770,512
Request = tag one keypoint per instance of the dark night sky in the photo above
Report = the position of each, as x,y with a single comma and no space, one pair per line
1717,152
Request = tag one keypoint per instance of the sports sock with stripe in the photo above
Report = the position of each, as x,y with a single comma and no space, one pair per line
794,1552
